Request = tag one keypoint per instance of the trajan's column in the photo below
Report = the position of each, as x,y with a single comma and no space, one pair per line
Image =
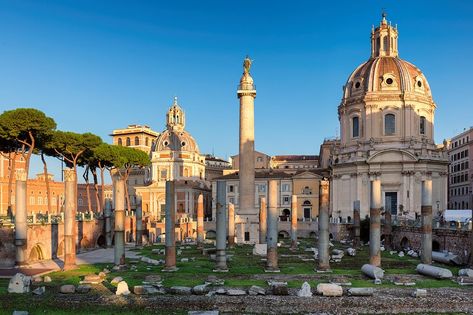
247,219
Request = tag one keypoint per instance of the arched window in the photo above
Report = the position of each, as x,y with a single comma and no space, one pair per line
355,127
389,124
422,125
120,141
137,141
128,141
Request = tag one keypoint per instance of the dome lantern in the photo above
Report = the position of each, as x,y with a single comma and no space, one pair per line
384,39
175,117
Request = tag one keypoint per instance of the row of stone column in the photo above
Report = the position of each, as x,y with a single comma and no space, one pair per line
375,223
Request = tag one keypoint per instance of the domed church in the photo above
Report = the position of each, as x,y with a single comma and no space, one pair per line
175,156
387,132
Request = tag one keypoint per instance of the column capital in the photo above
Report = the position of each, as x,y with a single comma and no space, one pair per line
20,174
69,175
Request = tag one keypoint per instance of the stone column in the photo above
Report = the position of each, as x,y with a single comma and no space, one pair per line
200,221
231,225
247,93
170,215
221,265
70,209
119,203
262,220
375,223
108,222
139,221
426,211
21,217
294,222
324,200
272,226
356,223
388,229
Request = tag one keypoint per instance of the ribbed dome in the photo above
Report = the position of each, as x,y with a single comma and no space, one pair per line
386,74
175,140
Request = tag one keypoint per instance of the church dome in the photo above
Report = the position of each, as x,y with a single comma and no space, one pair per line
175,140
384,71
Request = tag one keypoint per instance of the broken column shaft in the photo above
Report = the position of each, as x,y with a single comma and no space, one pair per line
21,225
139,221
231,225
323,245
70,219
170,215
356,223
272,226
375,223
426,212
262,220
221,256
200,220
108,222
119,203
294,222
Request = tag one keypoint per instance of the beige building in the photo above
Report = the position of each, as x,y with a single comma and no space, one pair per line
174,156
135,136
387,132
460,183
262,161
297,162
214,167
304,184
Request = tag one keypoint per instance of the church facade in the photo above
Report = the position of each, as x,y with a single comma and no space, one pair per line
387,132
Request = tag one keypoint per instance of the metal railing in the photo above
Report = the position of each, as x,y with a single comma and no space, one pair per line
246,86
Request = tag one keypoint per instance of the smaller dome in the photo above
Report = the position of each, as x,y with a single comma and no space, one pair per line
175,140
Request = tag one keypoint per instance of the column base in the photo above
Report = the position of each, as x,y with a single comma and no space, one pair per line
220,270
272,270
323,270
170,269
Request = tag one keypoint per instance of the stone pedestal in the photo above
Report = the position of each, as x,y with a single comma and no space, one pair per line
70,219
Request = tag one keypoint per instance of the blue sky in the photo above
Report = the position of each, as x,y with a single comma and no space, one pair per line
100,65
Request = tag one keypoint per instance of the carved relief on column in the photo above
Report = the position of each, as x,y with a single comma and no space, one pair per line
20,174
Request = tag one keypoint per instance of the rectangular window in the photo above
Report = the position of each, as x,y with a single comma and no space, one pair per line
230,188
262,188
285,187
286,200
164,174
356,127
422,125
247,236
389,124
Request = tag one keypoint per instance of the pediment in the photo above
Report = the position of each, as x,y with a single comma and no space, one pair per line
307,174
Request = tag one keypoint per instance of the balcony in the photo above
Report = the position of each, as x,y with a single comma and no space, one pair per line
246,86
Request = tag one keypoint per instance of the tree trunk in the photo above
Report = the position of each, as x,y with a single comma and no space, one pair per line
87,186
46,180
96,188
102,179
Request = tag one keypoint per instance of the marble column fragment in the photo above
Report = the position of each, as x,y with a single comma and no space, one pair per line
200,221
170,215
294,222
70,210
356,223
221,264
272,227
262,220
231,225
426,212
108,222
21,224
119,213
324,201
139,221
375,223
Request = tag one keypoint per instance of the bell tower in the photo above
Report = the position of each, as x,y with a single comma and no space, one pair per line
384,39
175,117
